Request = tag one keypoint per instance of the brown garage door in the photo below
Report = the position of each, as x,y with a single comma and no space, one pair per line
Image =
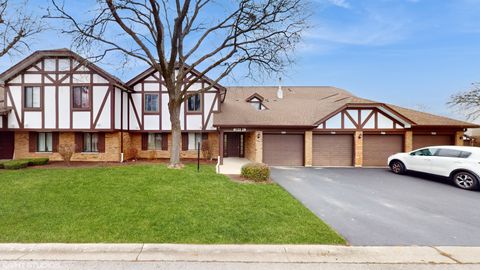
6,145
377,148
420,141
332,150
283,149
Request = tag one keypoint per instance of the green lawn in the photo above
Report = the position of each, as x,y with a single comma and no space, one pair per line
152,204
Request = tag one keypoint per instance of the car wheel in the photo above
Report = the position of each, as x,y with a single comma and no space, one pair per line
465,180
397,167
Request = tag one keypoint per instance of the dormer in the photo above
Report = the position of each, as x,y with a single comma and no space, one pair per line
256,101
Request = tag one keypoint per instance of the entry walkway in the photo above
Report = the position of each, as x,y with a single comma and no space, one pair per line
232,165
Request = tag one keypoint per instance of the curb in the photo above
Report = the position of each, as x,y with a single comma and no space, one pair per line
240,253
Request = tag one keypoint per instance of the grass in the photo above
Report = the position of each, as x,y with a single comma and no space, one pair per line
150,204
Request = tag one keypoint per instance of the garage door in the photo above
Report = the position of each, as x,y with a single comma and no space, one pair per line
6,145
283,149
420,141
377,148
332,150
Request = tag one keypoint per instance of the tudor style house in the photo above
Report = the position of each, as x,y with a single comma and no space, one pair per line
55,97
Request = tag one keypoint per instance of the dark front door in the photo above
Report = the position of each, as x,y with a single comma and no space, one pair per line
6,145
234,144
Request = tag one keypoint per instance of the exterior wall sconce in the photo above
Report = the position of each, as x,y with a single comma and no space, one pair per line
259,135
359,136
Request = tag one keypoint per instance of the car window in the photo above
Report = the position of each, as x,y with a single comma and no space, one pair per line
452,153
424,152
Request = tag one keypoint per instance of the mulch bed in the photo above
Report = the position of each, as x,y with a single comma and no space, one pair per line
96,164
243,180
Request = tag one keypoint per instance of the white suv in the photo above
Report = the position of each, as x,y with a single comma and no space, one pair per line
459,163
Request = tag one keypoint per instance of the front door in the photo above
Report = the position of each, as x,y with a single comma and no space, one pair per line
234,144
6,145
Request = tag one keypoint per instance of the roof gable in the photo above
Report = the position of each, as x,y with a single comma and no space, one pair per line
34,58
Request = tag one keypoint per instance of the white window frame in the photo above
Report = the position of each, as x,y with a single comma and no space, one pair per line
193,139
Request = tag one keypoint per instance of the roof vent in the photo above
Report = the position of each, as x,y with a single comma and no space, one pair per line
280,90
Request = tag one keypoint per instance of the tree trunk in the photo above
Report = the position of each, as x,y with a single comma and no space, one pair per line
174,109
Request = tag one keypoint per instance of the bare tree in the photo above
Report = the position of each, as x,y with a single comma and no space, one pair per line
176,37
16,26
468,102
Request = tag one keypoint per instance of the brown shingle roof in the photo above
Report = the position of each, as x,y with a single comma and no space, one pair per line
304,106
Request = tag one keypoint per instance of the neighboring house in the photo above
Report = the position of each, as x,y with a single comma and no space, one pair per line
56,97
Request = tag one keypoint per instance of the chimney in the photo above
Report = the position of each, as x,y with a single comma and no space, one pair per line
280,91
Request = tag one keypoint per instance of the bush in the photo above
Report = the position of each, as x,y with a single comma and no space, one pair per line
15,164
66,152
257,172
37,161
1,163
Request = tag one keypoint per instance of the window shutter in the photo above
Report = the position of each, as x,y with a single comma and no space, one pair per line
78,142
184,141
55,141
32,142
101,142
144,141
165,141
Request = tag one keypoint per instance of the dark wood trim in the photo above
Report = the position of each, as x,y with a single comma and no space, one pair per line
14,106
140,124
370,115
102,106
205,123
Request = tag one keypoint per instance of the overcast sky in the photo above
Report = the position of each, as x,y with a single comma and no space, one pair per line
413,53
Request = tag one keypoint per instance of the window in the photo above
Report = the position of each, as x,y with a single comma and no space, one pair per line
424,152
32,97
194,103
256,101
154,141
452,153
81,97
44,142
193,140
90,142
151,102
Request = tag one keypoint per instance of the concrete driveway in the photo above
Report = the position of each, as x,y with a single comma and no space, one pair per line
376,207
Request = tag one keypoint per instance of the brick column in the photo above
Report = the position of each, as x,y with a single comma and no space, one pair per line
459,138
408,146
258,146
308,148
358,142
220,146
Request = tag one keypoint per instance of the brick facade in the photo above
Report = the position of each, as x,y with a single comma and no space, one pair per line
112,148
358,148
135,142
254,146
459,138
308,148
408,141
